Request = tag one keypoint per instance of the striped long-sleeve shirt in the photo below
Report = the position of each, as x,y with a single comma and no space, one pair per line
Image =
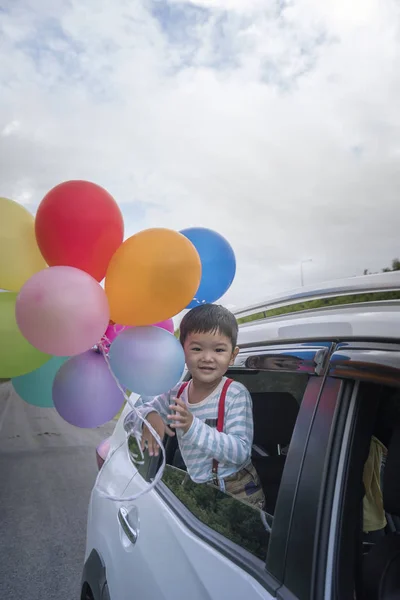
202,442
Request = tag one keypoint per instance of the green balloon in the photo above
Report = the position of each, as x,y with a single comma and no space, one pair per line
17,355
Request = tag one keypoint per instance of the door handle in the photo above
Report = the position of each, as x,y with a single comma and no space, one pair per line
131,530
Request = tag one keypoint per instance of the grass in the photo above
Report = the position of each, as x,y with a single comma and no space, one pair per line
117,416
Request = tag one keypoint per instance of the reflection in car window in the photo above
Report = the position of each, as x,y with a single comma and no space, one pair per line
140,459
269,382
239,522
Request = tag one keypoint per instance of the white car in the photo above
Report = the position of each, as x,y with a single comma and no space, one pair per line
323,383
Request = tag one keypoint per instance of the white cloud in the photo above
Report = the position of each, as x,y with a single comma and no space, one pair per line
275,123
233,5
10,128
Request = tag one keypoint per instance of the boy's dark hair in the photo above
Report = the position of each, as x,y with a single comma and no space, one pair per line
209,318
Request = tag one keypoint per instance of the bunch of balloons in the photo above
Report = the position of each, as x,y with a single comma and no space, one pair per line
69,342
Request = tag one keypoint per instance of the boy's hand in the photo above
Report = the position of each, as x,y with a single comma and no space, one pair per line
183,417
147,437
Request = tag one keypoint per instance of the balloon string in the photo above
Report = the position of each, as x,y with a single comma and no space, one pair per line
160,471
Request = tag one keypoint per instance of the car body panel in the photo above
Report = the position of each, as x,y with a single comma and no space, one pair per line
186,565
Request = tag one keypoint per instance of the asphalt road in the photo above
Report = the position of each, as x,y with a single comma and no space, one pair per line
47,469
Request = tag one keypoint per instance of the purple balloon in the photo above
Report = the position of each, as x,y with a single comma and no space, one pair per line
85,393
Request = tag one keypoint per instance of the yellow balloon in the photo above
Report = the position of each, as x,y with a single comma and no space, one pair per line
20,256
152,277
17,355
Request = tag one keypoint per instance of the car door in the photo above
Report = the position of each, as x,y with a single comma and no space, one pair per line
184,540
369,376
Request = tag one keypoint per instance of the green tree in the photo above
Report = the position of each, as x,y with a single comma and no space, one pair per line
395,264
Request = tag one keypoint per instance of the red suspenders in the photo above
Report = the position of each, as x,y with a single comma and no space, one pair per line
182,388
221,415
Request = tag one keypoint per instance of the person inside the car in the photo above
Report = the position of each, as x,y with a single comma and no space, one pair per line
211,414
374,520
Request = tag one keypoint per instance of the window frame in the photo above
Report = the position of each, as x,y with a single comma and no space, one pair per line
302,357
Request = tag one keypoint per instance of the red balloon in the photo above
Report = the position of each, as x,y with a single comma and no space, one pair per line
79,224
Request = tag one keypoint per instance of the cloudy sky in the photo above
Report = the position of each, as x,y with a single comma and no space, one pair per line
275,123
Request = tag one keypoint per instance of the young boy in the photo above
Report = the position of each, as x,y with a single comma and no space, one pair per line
212,415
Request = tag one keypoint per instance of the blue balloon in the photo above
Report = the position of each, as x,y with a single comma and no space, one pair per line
218,264
147,360
36,387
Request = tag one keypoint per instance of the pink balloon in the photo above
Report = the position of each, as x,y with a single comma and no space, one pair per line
62,311
111,333
168,325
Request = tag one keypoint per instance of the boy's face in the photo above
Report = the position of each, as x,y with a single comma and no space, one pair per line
208,355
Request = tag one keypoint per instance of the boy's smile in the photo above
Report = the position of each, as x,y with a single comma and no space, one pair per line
208,356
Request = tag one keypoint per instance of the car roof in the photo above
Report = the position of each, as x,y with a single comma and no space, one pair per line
360,320
370,320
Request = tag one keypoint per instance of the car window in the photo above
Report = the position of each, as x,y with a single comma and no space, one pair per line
276,400
140,459
378,519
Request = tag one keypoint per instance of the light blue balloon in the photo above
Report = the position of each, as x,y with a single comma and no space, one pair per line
218,264
147,360
36,388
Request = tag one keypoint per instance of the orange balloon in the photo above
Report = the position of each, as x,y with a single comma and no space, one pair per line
152,277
